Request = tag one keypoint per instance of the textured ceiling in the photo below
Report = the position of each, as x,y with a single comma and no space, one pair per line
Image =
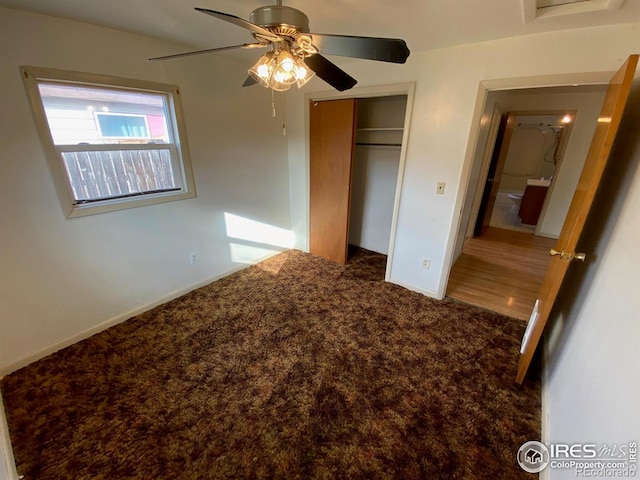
424,24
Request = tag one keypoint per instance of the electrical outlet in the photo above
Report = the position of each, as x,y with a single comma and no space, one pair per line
194,258
440,188
426,263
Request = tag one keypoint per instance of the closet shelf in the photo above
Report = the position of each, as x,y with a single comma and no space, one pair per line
369,144
380,129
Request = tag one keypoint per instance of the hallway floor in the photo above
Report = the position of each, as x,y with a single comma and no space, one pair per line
501,271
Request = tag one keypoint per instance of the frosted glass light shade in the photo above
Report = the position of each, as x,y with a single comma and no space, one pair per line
303,73
263,69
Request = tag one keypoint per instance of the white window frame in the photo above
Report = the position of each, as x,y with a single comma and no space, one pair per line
179,151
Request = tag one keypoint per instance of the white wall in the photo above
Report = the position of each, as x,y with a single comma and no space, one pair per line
593,382
447,82
526,150
373,192
65,277
531,152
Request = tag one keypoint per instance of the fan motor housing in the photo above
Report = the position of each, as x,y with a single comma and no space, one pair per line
281,20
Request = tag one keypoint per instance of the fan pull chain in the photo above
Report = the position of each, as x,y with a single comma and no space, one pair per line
284,113
284,116
273,104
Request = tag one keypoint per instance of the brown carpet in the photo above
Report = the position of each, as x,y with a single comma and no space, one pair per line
294,368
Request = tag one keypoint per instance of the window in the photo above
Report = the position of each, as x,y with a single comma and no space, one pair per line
111,143
123,126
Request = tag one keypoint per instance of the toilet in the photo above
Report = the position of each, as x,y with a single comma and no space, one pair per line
516,198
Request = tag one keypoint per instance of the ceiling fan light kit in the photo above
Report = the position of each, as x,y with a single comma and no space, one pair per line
279,69
296,54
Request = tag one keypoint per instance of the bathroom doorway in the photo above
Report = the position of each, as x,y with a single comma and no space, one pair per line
528,150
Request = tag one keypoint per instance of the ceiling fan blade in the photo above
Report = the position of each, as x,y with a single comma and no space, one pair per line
392,50
249,81
209,50
242,23
330,73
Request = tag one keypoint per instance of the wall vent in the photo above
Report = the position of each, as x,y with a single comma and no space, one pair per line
535,9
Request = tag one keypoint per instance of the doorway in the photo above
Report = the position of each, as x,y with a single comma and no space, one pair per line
501,251
528,151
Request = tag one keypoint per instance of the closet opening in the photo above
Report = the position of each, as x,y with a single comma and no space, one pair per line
374,175
357,146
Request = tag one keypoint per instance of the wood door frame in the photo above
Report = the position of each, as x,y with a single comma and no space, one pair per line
499,153
490,146
408,89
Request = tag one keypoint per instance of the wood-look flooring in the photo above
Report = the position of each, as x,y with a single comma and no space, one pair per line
501,271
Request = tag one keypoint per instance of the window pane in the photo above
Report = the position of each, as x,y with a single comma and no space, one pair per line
97,175
125,126
78,114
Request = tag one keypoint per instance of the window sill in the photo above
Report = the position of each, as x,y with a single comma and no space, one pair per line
105,206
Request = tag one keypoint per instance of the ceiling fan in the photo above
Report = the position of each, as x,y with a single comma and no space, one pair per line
295,54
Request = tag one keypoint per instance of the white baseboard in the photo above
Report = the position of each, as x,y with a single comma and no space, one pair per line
7,462
35,356
428,293
554,236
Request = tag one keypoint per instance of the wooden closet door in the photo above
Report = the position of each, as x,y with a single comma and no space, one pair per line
331,145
